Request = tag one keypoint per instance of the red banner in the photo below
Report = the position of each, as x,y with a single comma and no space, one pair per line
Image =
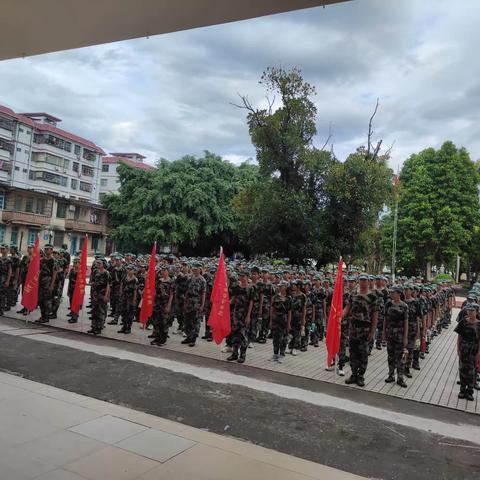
30,290
219,318
334,324
81,282
149,290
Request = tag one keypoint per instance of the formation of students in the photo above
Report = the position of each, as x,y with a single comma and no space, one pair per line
290,306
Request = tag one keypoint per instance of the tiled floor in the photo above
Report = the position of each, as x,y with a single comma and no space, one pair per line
104,441
435,383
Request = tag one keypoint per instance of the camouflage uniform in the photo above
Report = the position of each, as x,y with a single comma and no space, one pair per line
181,285
161,318
117,274
58,285
382,296
256,290
395,316
281,306
128,307
45,296
196,287
468,349
298,302
99,283
208,303
5,266
142,278
414,313
14,281
319,298
72,280
268,292
241,298
309,323
361,307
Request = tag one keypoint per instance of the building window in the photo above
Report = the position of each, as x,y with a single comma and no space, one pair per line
105,167
78,149
19,204
32,235
85,187
2,201
14,236
54,160
40,210
48,177
28,132
25,170
19,149
94,243
103,182
74,184
86,170
89,155
29,205
58,238
54,141
20,129
2,233
27,151
17,169
61,210
75,166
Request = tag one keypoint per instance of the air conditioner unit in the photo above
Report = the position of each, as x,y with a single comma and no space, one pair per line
71,208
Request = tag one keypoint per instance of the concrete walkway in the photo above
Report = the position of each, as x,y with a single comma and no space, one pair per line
52,434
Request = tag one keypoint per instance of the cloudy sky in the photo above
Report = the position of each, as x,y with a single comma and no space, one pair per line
171,95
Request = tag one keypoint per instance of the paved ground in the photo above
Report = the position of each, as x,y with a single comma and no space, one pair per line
53,434
434,384
361,432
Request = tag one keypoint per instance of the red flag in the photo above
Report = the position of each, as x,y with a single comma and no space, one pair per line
79,291
30,290
334,324
149,290
219,318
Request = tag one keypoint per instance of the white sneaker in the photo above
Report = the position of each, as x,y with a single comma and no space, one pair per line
330,369
250,345
227,349
184,335
281,358
341,372
150,327
293,352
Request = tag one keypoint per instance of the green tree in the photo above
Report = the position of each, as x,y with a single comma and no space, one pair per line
186,203
438,207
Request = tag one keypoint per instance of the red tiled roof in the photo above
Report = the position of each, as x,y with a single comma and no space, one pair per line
123,154
41,114
129,162
45,127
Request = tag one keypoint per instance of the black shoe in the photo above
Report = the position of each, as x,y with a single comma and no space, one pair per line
360,381
241,359
209,339
416,366
205,337
91,331
352,379
390,379
156,342
112,322
378,346
232,357
185,341
469,397
151,336
72,320
401,383
191,343
53,316
98,331
270,335
127,331
262,340
407,373
8,309
23,310
462,394
304,349
122,330
316,345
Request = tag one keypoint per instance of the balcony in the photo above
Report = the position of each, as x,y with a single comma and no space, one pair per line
6,149
5,166
6,133
25,218
86,227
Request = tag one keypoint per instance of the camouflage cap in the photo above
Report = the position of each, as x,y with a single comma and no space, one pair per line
471,306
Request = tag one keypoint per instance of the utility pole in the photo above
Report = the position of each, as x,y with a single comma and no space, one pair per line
396,183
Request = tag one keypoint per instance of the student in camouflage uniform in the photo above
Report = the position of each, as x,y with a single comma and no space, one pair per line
164,292
319,296
396,335
309,315
100,290
14,281
208,275
128,295
5,278
194,304
117,274
414,320
267,294
46,283
242,304
299,311
181,285
280,320
142,278
59,282
257,298
72,280
362,314
468,348
383,296
23,268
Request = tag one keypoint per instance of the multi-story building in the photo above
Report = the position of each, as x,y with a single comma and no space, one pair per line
109,178
49,183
